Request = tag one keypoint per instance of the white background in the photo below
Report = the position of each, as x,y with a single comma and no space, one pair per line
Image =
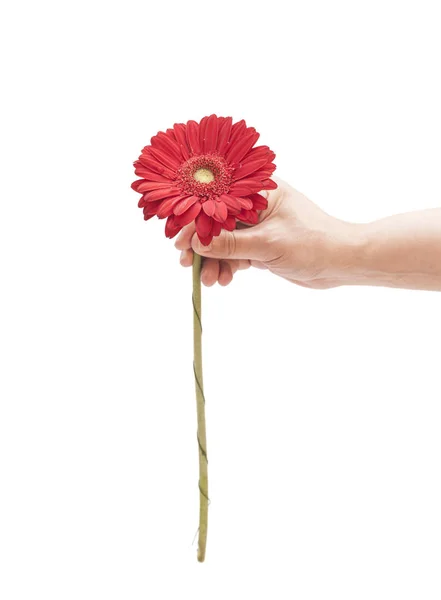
323,407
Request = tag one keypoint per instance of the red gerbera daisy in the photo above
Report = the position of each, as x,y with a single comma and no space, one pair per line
206,172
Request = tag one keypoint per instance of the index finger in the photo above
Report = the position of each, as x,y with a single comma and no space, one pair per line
183,241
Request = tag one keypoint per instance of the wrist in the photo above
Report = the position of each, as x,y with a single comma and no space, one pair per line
350,251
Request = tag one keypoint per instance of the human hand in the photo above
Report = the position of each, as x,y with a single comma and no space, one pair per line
294,239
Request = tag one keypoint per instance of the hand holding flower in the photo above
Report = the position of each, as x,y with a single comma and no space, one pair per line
294,239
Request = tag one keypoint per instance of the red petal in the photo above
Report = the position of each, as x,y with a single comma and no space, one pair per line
166,144
248,216
237,131
149,175
245,169
265,172
208,207
185,204
269,184
171,134
245,203
230,223
171,229
143,202
189,215
167,159
203,224
136,183
259,152
232,202
193,137
202,128
211,130
253,217
148,186
259,202
160,194
224,135
220,211
180,129
205,240
167,206
151,208
243,187
240,148
216,229
151,163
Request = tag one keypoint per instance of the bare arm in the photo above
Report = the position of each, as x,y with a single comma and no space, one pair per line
401,251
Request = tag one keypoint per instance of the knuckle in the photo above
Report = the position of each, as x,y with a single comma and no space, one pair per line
230,244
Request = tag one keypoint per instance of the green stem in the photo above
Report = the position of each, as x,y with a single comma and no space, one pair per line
200,405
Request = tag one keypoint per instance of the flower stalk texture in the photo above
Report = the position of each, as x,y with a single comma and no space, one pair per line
200,407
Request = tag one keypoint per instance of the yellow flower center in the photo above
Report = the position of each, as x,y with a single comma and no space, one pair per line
203,176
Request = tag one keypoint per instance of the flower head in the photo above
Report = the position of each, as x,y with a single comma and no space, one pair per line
207,172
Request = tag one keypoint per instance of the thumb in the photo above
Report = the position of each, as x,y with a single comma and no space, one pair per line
240,243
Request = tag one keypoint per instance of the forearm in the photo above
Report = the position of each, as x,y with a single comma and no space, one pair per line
402,251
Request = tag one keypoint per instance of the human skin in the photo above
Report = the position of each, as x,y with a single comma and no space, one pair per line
298,241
